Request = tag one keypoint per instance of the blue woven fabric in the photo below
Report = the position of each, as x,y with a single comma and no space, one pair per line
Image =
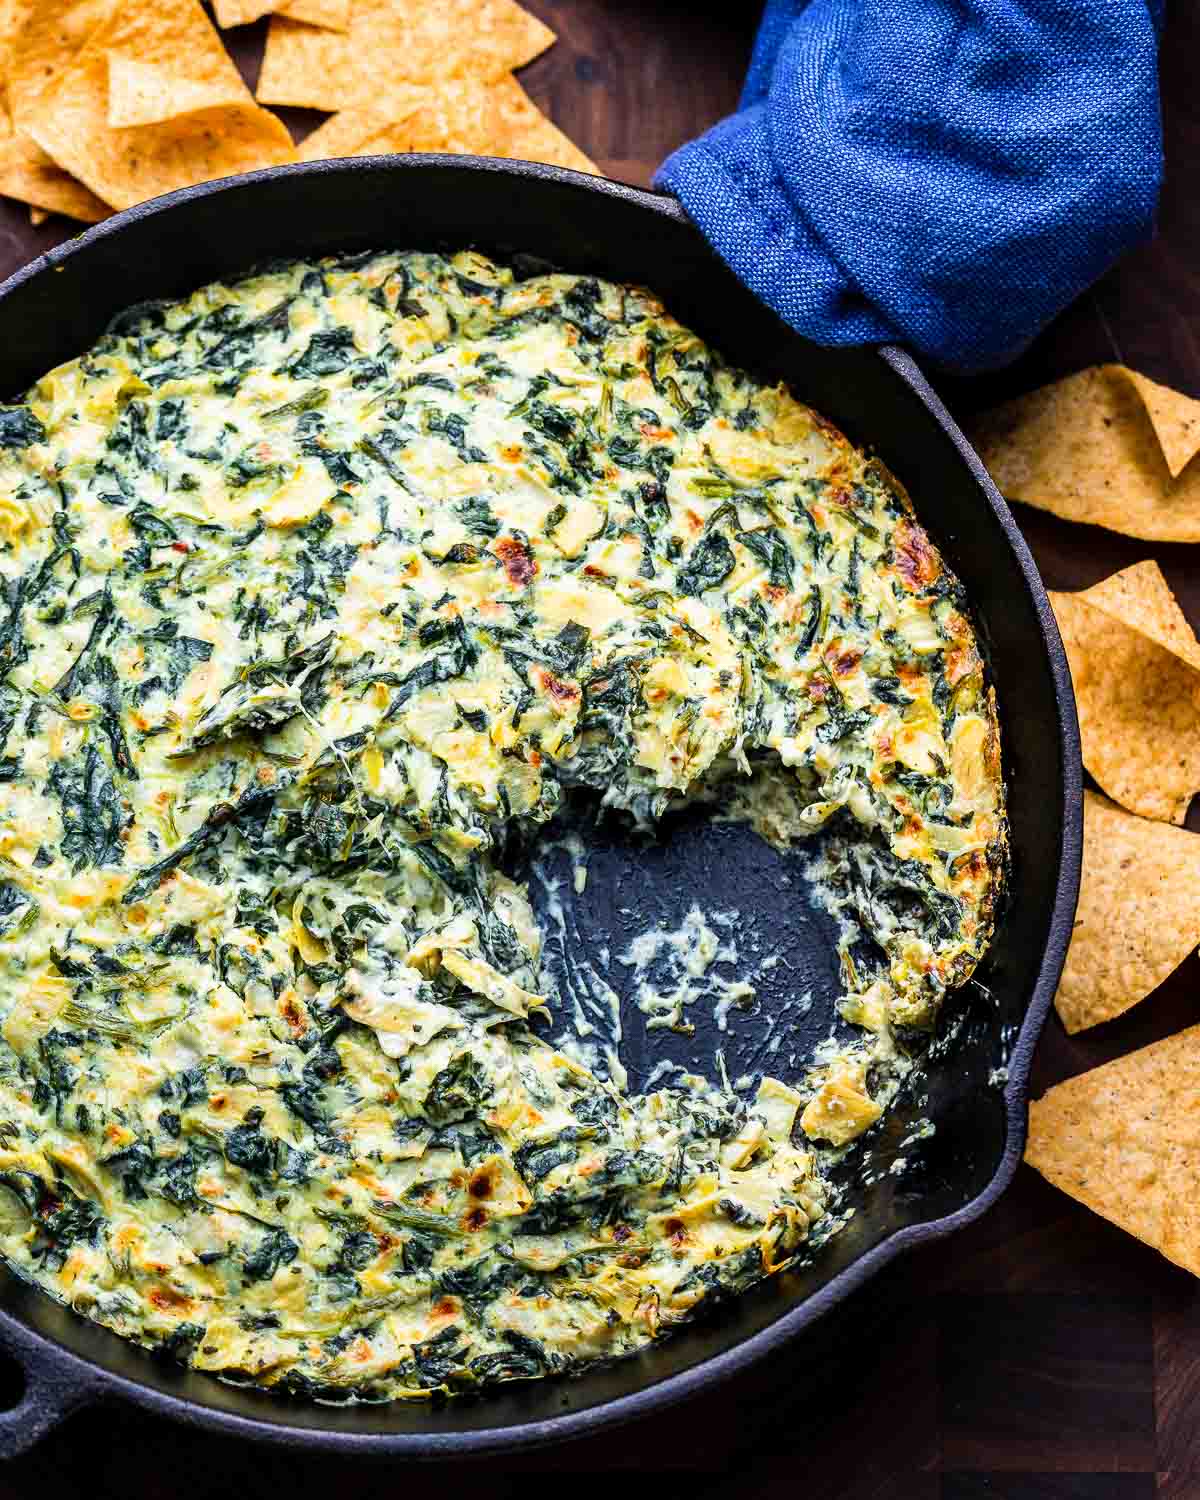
947,174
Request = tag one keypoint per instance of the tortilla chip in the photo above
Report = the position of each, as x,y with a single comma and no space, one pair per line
229,13
1133,662
1106,446
145,93
334,14
520,130
364,132
52,33
1141,597
1138,916
169,62
392,42
461,115
27,173
1174,417
124,166
128,166
1124,1139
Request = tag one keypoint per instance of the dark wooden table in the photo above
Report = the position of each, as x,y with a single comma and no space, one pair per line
1042,1353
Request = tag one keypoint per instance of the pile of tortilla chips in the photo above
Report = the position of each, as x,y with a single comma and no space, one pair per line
417,75
1135,664
460,115
1111,447
108,102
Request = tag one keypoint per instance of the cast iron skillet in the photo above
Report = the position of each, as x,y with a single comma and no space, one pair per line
56,307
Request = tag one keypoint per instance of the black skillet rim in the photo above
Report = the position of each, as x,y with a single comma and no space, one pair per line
60,1381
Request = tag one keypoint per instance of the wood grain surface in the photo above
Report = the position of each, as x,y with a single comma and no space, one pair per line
1040,1355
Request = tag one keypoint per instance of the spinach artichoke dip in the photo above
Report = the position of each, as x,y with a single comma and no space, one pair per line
323,589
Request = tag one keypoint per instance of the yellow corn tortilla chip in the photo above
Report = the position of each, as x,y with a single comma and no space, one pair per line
127,166
391,42
1141,597
461,115
364,132
124,166
1124,1139
169,62
1138,916
1174,417
27,173
1105,446
335,14
1137,689
229,13
47,38
145,93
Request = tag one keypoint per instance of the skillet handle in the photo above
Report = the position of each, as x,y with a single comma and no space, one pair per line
53,1390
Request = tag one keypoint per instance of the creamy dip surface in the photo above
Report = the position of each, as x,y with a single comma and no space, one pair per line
322,591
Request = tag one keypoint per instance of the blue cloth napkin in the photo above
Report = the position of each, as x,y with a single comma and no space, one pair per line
947,174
